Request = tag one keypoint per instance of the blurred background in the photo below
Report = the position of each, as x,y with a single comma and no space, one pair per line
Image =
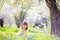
42,17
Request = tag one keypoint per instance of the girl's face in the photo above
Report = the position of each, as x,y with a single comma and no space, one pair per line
24,27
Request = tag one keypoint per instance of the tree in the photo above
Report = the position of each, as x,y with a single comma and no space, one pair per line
55,16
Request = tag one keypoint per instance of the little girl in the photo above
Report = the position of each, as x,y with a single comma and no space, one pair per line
23,29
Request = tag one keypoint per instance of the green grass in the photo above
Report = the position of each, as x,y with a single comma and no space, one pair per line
10,33
9,29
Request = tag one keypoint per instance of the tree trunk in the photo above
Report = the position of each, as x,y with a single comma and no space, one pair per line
21,18
55,17
1,22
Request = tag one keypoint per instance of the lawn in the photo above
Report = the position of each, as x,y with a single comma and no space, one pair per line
10,33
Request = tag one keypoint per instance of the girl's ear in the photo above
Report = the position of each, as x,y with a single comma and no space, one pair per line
21,26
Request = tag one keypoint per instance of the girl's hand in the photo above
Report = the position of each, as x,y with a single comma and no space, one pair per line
28,36
20,34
